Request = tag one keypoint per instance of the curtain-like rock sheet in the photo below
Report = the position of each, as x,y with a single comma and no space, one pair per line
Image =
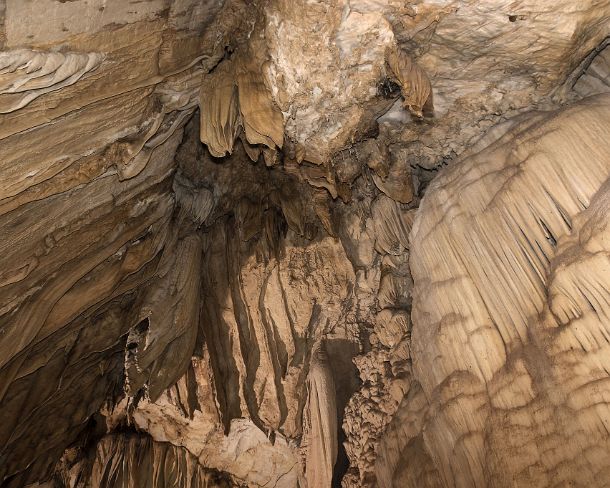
26,74
511,264
413,80
235,98
219,112
136,461
263,122
158,354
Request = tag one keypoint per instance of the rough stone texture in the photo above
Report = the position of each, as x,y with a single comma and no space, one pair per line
507,404
94,96
271,307
125,460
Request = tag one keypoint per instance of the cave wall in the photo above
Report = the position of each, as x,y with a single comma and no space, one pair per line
217,267
509,314
93,99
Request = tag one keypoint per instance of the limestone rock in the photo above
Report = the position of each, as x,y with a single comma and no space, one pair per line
488,310
413,80
125,461
235,98
162,300
391,326
392,225
27,74
397,184
320,431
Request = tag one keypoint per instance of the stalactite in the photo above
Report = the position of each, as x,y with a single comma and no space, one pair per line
344,283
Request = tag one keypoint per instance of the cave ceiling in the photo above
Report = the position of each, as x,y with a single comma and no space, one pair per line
304,243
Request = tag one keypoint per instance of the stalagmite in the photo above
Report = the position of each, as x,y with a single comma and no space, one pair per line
320,431
304,243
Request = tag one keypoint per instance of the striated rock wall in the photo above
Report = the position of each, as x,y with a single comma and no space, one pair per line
214,270
124,460
508,314
93,98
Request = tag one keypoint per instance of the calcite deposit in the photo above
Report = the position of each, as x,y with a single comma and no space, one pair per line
304,243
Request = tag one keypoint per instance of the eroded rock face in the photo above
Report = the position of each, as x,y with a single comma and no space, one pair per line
215,267
94,96
122,460
531,276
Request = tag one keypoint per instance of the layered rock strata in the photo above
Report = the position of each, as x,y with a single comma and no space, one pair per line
214,270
